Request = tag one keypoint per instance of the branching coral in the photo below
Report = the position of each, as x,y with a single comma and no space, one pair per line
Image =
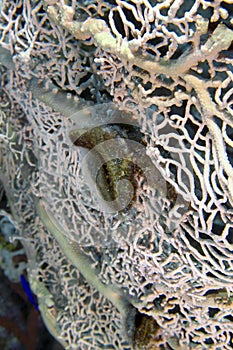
71,72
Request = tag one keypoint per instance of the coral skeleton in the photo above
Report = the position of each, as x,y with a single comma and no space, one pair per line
116,159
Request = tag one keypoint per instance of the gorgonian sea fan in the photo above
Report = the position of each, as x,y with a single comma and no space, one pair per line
106,99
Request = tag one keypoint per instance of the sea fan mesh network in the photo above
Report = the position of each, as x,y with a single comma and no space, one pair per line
165,67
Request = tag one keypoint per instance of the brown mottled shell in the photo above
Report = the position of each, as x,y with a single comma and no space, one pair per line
112,170
146,335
